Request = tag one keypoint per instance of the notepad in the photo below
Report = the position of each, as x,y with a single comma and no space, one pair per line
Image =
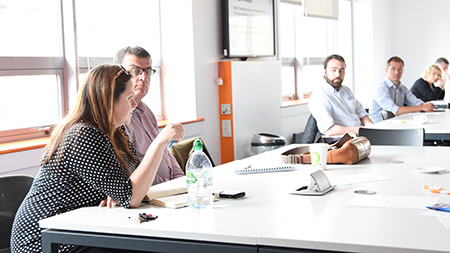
175,201
168,188
264,170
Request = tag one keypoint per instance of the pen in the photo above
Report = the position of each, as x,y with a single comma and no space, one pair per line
434,187
171,144
440,191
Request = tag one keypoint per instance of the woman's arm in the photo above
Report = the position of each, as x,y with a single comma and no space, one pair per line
427,93
142,177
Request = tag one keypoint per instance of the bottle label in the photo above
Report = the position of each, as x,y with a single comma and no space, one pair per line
190,178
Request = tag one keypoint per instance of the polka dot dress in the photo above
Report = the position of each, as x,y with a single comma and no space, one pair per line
88,172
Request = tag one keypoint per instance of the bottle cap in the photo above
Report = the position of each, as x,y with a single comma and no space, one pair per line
198,145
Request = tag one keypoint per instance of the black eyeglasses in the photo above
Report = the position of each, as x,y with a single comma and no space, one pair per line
137,71
122,70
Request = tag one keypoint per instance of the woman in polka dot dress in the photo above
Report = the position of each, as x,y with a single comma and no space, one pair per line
89,159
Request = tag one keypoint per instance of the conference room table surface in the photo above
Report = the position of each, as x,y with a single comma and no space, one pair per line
269,218
437,126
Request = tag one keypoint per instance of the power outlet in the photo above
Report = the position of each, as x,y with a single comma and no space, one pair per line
225,109
226,128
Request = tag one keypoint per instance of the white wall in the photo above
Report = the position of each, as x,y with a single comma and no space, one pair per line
256,102
207,52
421,34
383,38
24,162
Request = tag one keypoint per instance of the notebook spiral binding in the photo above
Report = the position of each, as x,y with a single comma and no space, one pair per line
264,170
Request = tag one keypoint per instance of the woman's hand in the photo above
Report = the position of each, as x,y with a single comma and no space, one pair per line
440,83
110,202
172,132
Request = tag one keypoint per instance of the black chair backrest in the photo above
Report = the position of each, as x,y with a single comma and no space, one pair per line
394,137
387,114
13,189
311,133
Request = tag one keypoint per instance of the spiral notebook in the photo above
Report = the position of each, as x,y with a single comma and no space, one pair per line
264,170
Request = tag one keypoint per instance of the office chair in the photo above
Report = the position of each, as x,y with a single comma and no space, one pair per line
13,189
387,114
311,133
181,151
394,137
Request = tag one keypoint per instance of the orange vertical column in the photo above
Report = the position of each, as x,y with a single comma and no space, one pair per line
226,98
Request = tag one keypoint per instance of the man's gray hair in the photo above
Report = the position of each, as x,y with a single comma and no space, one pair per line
137,51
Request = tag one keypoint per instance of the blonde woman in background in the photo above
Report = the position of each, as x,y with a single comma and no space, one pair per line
425,87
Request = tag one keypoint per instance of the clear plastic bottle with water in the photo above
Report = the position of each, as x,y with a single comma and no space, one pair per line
199,178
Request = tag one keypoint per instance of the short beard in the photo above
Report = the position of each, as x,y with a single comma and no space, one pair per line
336,85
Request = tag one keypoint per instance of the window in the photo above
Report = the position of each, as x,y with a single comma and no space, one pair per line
31,86
48,46
31,68
105,26
30,28
305,42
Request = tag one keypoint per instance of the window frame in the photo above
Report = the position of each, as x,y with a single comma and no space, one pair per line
291,62
25,66
40,65
300,61
67,67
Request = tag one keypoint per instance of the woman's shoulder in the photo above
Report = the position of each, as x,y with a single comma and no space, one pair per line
420,81
82,127
86,131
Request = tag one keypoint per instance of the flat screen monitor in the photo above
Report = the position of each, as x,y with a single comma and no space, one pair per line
248,28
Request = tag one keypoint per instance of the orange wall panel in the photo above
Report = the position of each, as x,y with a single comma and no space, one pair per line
226,97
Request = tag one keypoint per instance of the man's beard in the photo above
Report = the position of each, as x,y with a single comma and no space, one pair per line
336,82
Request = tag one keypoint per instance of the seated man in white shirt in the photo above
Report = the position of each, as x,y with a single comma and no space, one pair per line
333,105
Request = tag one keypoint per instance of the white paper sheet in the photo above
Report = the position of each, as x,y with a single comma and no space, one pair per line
356,179
436,213
396,202
443,217
445,222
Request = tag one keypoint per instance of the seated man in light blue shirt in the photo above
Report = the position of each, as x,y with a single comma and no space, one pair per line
392,95
333,105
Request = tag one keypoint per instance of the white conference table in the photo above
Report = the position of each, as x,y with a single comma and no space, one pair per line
436,128
269,219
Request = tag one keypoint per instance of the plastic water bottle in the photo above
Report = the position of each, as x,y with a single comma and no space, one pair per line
199,178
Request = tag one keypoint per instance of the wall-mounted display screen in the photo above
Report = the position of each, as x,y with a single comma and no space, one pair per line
248,28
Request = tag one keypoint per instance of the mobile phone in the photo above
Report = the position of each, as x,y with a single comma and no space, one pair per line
231,194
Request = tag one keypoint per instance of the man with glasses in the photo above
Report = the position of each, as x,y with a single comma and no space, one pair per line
392,95
143,127
333,105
